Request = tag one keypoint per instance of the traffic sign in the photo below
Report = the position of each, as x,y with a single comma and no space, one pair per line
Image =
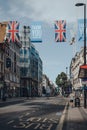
84,81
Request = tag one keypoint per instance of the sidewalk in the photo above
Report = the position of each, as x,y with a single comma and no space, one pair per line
76,118
12,99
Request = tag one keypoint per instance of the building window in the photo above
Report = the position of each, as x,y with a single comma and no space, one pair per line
25,51
21,51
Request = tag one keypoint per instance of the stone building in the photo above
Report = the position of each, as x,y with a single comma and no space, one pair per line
9,65
76,62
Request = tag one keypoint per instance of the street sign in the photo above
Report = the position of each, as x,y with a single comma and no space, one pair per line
85,87
84,81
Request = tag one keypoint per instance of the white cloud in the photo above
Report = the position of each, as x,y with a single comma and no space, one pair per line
44,10
34,9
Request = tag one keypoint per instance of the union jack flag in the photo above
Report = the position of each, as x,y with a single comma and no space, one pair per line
13,31
60,31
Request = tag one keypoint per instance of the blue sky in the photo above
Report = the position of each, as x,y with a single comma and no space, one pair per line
55,56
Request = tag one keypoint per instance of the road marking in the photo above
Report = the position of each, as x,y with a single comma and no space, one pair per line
46,127
50,127
29,125
53,120
21,116
61,121
43,126
37,126
44,120
59,113
20,119
10,122
20,125
39,119
30,119
27,114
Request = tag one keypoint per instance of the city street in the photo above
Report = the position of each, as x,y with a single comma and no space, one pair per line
33,114
43,65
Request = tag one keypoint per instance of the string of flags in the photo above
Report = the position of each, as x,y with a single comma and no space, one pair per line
10,31
13,31
60,31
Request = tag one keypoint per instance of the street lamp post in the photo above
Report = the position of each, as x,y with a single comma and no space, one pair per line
67,71
82,4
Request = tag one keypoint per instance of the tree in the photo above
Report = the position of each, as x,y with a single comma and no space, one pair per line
61,81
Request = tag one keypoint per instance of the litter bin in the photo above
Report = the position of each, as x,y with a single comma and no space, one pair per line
77,102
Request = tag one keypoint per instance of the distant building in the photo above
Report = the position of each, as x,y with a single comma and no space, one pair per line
52,89
76,62
47,86
31,66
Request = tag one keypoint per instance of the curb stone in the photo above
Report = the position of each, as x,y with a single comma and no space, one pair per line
62,119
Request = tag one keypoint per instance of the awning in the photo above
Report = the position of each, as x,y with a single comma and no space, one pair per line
83,71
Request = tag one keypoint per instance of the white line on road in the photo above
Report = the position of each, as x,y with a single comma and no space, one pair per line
21,116
10,122
30,119
27,114
60,125
44,120
59,113
37,126
49,128
53,120
39,119
29,125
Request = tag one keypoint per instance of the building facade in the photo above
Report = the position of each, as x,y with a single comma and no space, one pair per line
31,66
13,71
1,70
76,62
9,66
47,86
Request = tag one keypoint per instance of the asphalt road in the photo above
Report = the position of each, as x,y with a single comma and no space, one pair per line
37,114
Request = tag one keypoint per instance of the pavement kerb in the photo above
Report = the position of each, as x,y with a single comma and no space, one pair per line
62,119
12,100
84,109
